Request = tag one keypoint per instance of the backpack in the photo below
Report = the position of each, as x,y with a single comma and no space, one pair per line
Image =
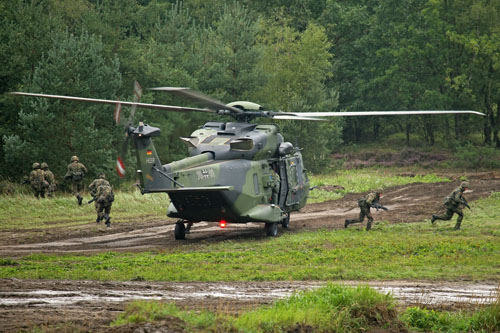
76,172
105,194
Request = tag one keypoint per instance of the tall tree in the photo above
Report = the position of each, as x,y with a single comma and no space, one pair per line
298,65
53,131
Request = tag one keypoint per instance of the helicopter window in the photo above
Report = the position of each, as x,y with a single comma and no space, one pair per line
256,183
215,140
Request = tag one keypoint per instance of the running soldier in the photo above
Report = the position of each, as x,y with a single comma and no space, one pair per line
102,194
76,172
37,181
453,203
105,198
49,177
370,200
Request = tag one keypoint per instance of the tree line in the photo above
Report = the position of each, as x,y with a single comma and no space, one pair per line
290,55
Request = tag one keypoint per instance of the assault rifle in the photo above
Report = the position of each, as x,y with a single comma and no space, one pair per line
465,203
378,206
92,200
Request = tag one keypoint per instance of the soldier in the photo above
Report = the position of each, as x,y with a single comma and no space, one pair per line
452,203
49,177
275,186
76,172
37,181
103,195
370,200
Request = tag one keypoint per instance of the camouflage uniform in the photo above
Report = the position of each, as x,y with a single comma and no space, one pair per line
49,177
37,181
453,203
76,172
102,192
275,186
364,205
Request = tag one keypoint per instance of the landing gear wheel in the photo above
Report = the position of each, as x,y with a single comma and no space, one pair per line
285,223
180,230
272,229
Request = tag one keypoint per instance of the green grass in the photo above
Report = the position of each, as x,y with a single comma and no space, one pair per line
400,251
24,211
21,210
333,308
358,181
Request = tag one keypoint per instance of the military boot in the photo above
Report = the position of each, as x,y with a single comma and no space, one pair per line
80,199
457,226
98,219
433,218
368,225
346,223
108,220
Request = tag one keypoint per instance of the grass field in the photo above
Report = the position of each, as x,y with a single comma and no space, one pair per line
22,211
388,252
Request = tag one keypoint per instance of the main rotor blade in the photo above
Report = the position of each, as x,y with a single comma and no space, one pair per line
378,113
198,97
114,102
291,117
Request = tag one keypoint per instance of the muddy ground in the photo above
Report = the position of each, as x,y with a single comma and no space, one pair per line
90,305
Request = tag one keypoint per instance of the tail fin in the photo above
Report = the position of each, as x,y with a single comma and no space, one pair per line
151,175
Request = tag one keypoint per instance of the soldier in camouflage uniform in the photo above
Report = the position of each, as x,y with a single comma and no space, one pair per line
370,200
37,181
100,208
453,203
76,172
104,200
49,177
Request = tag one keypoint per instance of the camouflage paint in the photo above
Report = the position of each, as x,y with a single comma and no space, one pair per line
227,177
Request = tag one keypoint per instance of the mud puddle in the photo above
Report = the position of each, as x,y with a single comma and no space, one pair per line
75,292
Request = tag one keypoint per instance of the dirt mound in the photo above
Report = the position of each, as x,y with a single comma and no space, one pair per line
403,158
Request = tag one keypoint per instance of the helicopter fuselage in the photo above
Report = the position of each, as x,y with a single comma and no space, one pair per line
237,172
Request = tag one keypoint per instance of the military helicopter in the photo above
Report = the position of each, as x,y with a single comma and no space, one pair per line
237,171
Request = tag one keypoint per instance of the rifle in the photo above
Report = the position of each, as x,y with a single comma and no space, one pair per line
92,200
465,203
379,206
26,181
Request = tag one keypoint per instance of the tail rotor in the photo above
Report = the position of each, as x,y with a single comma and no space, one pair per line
120,165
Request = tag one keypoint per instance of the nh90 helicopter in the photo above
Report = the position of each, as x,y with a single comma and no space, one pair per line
237,172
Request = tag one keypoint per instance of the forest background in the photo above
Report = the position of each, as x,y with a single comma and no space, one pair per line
290,55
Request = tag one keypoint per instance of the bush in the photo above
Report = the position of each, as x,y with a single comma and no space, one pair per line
470,156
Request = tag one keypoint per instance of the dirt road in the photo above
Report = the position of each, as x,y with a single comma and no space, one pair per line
91,305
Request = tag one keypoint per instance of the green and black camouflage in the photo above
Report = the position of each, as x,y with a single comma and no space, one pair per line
453,203
103,196
237,172
49,177
37,181
76,172
365,203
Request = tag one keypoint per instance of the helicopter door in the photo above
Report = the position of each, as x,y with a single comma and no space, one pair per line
283,183
293,181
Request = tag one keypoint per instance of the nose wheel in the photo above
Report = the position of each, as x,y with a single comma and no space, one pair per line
285,223
272,229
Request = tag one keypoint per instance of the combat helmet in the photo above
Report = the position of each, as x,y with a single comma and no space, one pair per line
44,166
464,185
35,165
102,175
74,158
